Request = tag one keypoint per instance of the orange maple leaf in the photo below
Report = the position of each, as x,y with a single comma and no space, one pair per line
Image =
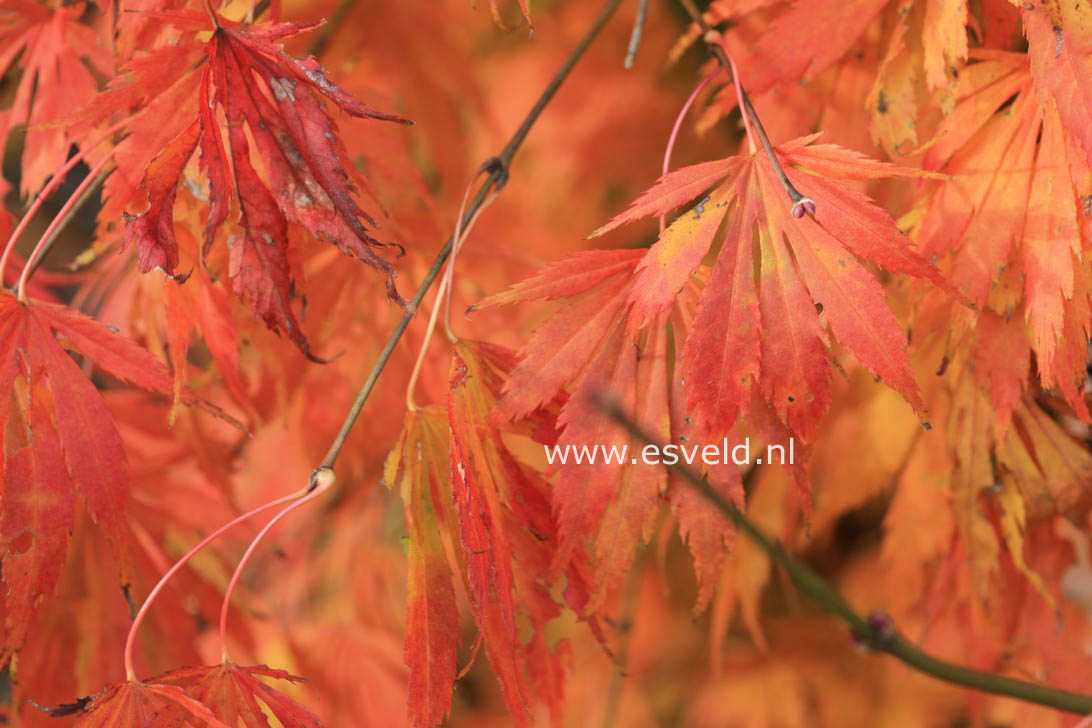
60,56
234,694
1058,36
1012,224
747,338
762,326
585,344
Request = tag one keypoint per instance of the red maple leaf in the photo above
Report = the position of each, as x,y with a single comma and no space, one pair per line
456,475
147,705
417,465
241,86
63,441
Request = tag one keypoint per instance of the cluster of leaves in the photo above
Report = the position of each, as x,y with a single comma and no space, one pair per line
917,333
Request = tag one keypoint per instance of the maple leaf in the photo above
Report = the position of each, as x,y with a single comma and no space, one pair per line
70,444
1001,470
631,498
807,39
148,705
746,574
610,335
206,310
1008,439
892,100
1058,34
60,56
38,514
563,346
926,43
590,344
944,40
76,636
584,343
199,306
418,465
806,264
504,519
779,45
245,84
498,517
1012,223
234,694
997,464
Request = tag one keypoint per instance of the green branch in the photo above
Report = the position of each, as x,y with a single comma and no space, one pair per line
877,631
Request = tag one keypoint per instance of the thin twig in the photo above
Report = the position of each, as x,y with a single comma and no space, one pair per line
675,131
800,203
50,187
498,175
635,37
130,642
876,631
93,178
321,480
460,237
737,81
445,287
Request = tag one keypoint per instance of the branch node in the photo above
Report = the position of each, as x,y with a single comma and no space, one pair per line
805,205
321,478
882,635
499,169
